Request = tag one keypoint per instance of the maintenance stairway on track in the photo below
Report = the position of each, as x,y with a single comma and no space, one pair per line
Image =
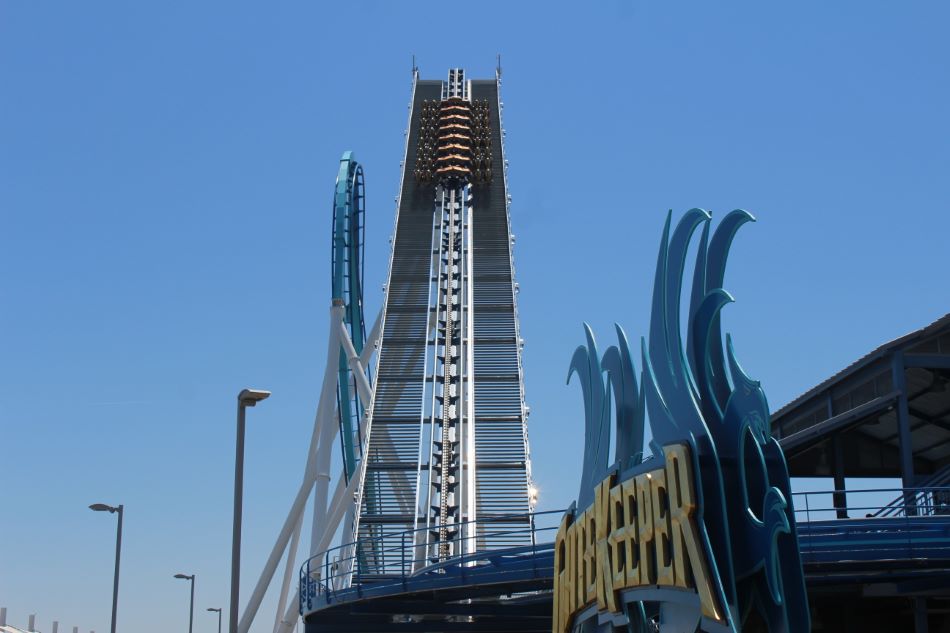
447,449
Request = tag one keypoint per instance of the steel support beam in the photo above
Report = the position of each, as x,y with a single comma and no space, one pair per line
372,340
804,438
359,372
328,427
839,498
325,417
927,361
288,574
903,426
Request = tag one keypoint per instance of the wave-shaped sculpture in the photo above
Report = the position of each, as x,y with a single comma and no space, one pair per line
695,393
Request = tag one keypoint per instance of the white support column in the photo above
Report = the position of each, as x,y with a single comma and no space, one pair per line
371,340
300,501
322,419
290,615
342,499
329,428
288,573
359,373
321,486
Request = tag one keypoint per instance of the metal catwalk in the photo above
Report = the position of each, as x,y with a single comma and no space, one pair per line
447,449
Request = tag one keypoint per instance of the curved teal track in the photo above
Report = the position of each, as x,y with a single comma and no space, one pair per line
347,286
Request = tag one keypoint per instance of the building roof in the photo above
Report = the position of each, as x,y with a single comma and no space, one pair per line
854,418
867,359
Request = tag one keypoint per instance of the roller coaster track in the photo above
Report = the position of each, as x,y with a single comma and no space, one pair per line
446,446
347,285
433,442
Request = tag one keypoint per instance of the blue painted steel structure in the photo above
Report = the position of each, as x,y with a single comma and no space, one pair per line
696,393
347,286
326,579
907,547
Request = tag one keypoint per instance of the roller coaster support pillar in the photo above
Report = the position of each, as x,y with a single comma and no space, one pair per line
323,419
288,573
337,404
300,501
359,373
290,615
371,341
322,486
341,503
328,426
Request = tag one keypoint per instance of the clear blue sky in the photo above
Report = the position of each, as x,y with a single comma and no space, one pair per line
166,171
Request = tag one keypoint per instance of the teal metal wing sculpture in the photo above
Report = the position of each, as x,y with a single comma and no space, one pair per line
695,392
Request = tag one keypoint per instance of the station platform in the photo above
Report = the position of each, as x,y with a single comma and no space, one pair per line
880,565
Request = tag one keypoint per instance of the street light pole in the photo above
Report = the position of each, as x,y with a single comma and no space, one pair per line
101,507
247,398
191,608
219,617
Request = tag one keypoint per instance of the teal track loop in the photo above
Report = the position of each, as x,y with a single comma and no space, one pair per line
347,286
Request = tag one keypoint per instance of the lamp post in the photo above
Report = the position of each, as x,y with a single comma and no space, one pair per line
247,398
101,507
191,608
219,617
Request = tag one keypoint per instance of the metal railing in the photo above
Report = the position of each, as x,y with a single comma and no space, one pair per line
931,492
375,561
916,529
901,502
916,526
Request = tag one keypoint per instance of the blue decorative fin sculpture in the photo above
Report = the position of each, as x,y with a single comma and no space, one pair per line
695,392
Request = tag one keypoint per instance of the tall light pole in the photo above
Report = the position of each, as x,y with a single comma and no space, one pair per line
101,507
191,609
247,398
219,617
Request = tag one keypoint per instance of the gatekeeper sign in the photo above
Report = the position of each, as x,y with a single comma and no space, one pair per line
701,535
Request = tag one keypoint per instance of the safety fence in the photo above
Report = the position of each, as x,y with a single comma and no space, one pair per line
875,525
870,528
387,564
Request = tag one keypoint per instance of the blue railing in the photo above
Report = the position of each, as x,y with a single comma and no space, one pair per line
872,503
898,524
933,491
881,524
388,562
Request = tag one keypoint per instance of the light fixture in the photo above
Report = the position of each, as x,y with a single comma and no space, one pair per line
250,397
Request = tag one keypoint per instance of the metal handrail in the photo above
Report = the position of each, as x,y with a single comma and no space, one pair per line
940,479
347,567
918,501
920,528
917,529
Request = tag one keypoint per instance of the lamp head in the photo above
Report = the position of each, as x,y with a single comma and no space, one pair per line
250,397
101,507
184,576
